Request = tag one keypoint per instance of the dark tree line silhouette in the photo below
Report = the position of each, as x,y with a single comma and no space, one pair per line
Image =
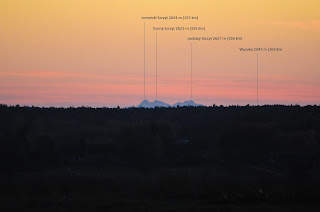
224,154
160,136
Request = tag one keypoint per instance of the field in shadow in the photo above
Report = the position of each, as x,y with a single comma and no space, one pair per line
164,159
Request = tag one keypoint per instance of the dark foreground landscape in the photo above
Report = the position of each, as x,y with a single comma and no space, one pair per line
234,158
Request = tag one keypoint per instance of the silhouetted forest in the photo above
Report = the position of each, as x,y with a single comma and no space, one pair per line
236,158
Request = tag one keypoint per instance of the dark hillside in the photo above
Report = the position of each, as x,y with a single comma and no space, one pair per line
229,158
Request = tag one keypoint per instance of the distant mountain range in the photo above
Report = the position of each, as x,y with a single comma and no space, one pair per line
146,104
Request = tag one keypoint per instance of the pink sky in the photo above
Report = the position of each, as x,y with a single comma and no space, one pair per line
74,53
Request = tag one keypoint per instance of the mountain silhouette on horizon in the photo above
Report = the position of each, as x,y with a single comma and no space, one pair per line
186,103
146,104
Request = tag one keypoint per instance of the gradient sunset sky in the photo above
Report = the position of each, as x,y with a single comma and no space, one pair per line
91,52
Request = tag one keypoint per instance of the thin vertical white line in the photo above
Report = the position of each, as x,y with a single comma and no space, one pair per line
156,65
144,60
191,71
257,80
